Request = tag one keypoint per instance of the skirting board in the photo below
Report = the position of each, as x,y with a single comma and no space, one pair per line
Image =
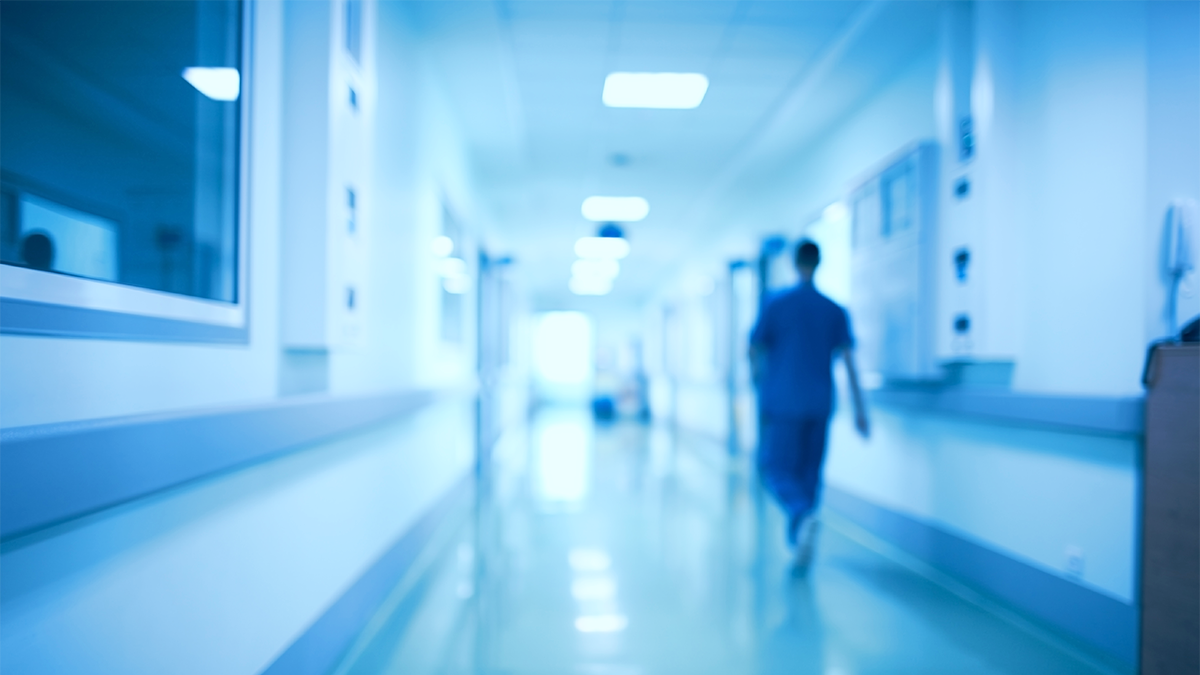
53,473
318,650
1091,617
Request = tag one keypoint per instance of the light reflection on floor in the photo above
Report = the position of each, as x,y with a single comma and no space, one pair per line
618,550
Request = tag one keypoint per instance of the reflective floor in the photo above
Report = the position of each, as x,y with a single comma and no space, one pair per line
621,550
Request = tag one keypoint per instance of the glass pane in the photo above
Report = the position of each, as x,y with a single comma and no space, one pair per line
119,142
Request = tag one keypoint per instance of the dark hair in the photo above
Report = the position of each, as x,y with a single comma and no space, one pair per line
37,250
807,254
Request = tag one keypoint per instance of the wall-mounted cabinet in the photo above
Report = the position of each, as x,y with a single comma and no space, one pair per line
894,242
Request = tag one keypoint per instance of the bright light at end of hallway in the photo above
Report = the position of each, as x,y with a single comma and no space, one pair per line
601,623
835,211
589,560
615,209
601,248
219,84
562,348
679,91
562,462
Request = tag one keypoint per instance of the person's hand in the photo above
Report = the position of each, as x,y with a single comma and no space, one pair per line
862,424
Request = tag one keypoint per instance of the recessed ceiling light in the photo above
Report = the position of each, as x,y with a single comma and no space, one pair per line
458,284
595,588
590,285
219,84
442,246
602,248
615,209
451,267
592,268
835,211
588,559
654,90
601,623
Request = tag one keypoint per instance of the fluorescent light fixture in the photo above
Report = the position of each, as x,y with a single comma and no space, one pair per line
596,268
654,90
590,286
588,560
451,267
602,248
598,588
835,211
219,84
442,246
458,284
615,209
601,623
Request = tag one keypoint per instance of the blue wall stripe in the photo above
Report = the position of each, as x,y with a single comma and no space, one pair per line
56,472
318,650
1085,614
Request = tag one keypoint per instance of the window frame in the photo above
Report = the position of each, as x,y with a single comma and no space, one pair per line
41,303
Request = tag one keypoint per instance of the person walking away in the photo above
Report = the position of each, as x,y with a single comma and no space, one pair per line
799,334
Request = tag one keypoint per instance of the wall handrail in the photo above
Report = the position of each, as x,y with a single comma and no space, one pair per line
54,473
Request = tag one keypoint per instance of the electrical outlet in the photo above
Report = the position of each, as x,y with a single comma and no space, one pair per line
1075,561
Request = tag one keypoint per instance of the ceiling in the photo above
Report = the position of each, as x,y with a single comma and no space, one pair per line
525,79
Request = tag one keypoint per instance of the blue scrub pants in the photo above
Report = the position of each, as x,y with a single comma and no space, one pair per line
789,461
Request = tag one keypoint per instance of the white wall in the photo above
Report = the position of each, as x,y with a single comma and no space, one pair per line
221,576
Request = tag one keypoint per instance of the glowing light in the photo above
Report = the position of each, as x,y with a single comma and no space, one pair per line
562,462
595,268
589,560
601,623
598,588
562,348
442,246
679,91
219,84
458,284
590,286
452,267
835,211
599,248
615,209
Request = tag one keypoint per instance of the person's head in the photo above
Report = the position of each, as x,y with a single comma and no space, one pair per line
37,250
808,256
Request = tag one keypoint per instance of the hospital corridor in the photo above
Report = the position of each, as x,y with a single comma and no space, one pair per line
600,337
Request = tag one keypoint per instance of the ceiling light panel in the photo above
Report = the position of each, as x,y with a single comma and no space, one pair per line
584,286
219,84
596,268
707,13
615,209
680,91
602,248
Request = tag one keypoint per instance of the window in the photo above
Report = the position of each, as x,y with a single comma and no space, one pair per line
121,167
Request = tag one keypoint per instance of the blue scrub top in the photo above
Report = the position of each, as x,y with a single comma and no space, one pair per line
800,331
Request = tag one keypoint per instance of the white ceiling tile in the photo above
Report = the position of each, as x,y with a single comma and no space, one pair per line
557,10
679,11
774,40
692,41
823,13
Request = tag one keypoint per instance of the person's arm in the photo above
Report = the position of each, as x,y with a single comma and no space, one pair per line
861,421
